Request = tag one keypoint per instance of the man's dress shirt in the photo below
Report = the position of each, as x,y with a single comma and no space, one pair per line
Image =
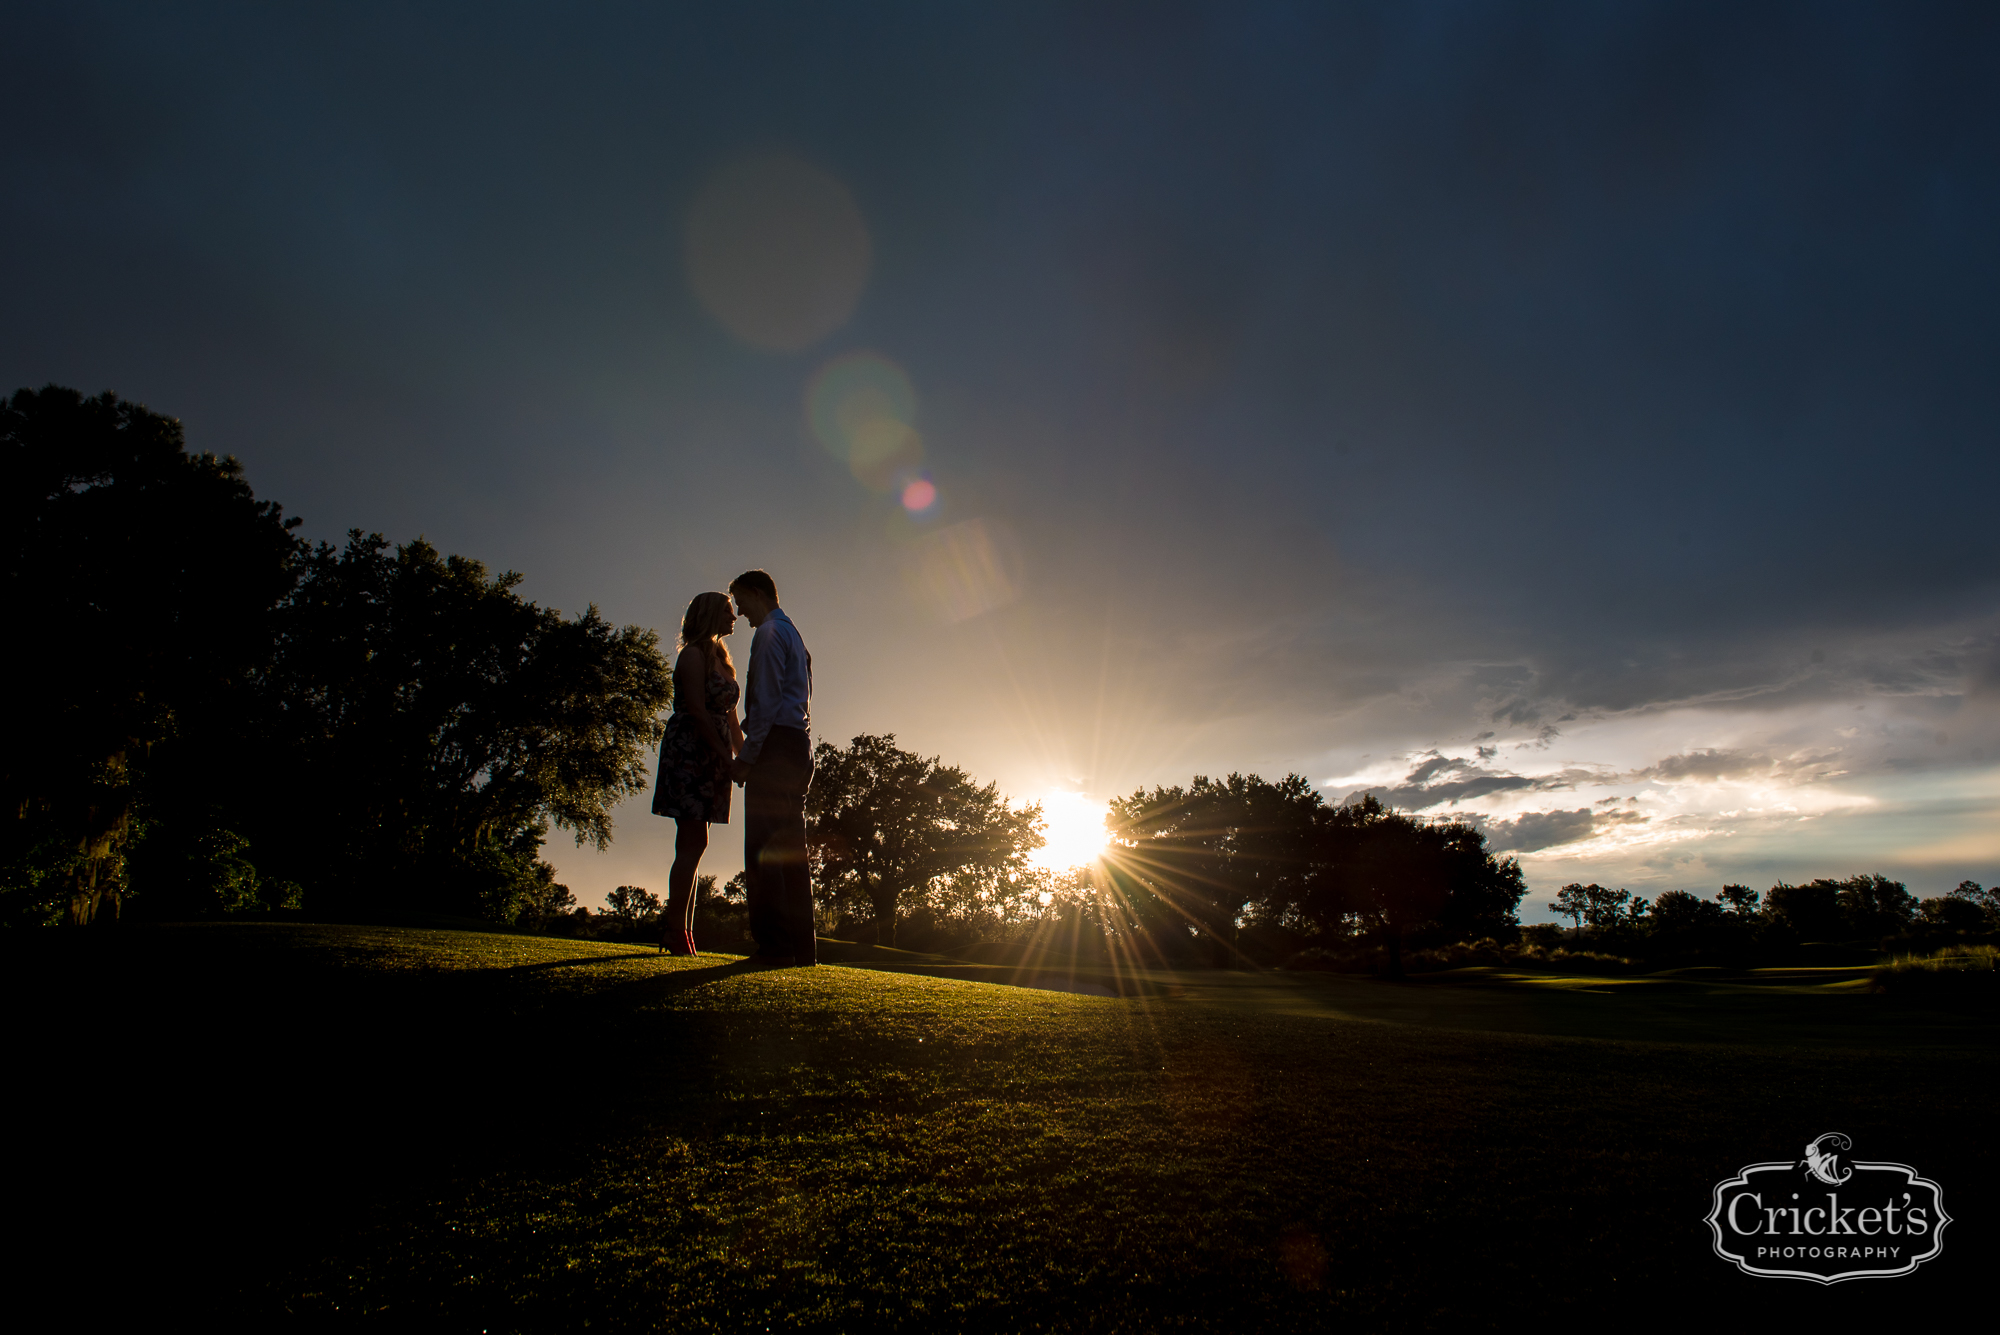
780,690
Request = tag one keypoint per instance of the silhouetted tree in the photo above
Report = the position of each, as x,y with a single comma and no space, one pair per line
886,828
1951,914
1212,850
1875,905
547,901
1809,912
1739,900
1573,902
438,723
1828,910
1987,900
633,906
141,581
1677,910
1403,876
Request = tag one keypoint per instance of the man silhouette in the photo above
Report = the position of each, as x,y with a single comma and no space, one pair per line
775,768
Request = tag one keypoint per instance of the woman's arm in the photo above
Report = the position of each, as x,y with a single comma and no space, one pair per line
691,683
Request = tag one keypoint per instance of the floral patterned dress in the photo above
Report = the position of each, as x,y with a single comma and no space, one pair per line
693,783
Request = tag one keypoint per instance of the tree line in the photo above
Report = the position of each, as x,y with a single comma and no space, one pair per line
216,716
1189,871
1864,910
224,718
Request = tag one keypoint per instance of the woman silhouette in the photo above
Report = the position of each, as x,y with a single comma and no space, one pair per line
703,736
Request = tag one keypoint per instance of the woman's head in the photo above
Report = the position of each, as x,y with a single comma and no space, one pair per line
709,617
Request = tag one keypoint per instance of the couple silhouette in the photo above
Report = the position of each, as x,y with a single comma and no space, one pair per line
706,751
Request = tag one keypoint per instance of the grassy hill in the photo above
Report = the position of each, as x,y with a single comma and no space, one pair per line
447,1130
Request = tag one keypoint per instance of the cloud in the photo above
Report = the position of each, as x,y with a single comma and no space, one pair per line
1545,829
1704,766
1714,765
1442,780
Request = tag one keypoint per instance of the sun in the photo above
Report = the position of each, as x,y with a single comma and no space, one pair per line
1073,825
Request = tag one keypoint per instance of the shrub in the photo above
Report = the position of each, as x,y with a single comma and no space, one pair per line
1355,959
1565,960
1956,973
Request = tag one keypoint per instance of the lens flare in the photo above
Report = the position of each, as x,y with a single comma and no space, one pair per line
965,569
1073,827
920,495
862,409
777,251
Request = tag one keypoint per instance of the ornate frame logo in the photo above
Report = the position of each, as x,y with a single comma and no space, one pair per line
1893,1223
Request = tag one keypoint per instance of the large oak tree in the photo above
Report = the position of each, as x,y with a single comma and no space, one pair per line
210,715
887,829
141,583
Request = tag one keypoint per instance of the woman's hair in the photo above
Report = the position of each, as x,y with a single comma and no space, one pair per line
703,625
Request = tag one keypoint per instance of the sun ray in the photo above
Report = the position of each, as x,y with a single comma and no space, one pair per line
1073,828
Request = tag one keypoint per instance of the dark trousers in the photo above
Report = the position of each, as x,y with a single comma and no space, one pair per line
775,878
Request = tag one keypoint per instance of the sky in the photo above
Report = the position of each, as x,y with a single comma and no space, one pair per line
1575,418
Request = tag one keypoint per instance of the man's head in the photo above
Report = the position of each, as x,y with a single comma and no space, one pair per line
756,595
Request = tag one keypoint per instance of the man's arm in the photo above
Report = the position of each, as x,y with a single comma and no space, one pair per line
762,690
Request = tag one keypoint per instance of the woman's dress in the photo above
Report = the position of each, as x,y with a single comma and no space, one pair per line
694,782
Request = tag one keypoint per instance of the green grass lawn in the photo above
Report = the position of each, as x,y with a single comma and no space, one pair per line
295,1125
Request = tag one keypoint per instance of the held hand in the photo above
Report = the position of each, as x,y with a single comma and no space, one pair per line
739,770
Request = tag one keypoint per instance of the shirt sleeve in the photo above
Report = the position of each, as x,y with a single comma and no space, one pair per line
763,693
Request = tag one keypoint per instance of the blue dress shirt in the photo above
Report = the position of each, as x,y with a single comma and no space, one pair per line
780,688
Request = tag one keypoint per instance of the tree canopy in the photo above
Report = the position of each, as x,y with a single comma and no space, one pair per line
226,718
143,581
440,723
1220,853
887,828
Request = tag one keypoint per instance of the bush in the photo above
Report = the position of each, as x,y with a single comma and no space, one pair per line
1574,961
1483,953
1956,973
1355,959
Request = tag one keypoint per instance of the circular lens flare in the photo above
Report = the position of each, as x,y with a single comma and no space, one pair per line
1073,831
862,409
778,252
920,495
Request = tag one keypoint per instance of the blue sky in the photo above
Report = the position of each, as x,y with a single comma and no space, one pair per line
1579,417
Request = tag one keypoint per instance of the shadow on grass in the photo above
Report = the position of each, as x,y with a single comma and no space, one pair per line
685,978
1052,975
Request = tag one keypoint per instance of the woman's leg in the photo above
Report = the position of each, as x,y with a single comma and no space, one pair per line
690,843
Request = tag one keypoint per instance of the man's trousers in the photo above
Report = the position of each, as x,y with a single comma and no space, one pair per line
775,878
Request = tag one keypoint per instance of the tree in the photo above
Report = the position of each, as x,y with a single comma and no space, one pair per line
1403,876
1952,914
1573,902
1875,905
142,580
547,900
888,829
633,905
1741,900
1828,910
1605,908
1209,852
1810,912
1679,911
1986,900
436,724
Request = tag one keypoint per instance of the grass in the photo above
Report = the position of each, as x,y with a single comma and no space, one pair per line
293,1126
1968,975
